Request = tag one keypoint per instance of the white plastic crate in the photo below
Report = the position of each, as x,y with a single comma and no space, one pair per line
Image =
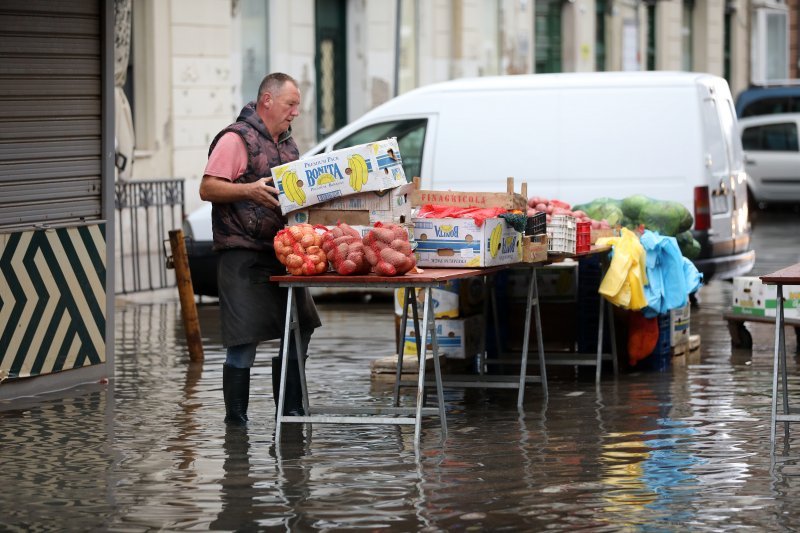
561,234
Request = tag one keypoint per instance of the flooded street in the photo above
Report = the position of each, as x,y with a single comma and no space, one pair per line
684,449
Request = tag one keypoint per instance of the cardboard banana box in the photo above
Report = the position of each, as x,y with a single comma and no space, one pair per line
366,208
375,166
456,338
459,242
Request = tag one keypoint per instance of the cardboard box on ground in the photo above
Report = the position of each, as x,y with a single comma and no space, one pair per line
679,325
457,338
460,242
454,299
753,298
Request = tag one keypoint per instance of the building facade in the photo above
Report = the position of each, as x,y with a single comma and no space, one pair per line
195,62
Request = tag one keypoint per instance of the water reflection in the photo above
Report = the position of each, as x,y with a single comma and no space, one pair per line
686,448
237,486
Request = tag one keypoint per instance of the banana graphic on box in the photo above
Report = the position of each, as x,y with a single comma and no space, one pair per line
495,240
292,187
358,171
326,178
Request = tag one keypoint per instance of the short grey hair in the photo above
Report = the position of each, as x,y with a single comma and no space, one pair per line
274,82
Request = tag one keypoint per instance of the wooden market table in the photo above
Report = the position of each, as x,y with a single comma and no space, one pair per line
425,333
786,276
532,312
427,280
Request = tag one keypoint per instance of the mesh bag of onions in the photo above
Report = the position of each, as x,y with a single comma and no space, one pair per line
298,247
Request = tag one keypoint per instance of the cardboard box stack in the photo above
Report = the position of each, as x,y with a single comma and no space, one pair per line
359,185
461,242
457,307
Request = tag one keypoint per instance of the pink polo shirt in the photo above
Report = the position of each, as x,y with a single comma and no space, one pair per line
229,158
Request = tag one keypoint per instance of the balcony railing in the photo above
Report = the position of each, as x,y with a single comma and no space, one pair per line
146,211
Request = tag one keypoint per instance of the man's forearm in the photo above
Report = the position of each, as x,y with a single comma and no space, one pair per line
222,191
218,190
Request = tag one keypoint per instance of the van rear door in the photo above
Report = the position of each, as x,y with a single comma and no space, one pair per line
727,191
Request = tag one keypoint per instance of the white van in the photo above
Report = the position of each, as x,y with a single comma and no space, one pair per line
578,137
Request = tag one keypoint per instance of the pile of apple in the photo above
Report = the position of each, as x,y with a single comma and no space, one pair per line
539,204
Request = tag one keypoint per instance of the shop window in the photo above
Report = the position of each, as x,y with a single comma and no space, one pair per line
255,46
770,45
730,14
601,10
547,32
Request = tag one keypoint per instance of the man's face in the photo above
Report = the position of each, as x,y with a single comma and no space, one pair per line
282,107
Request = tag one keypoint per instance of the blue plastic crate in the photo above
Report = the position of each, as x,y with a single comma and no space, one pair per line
660,358
589,279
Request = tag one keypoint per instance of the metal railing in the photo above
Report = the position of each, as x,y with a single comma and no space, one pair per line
145,211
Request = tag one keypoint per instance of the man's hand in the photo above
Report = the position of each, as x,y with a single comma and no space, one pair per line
219,190
263,192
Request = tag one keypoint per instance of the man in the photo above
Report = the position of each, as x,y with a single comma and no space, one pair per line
245,218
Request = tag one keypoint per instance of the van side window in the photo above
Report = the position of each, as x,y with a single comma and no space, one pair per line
410,136
771,137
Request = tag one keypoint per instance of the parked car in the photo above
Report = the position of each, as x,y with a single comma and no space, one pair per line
772,157
577,137
768,100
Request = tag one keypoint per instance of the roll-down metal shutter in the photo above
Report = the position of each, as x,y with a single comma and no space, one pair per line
50,112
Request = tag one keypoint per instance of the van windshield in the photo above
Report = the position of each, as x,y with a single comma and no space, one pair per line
410,137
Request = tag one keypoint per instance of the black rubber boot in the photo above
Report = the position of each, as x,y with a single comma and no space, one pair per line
236,391
293,402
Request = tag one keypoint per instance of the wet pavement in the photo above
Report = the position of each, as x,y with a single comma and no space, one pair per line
684,449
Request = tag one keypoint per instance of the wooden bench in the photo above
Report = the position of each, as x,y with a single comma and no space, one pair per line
740,336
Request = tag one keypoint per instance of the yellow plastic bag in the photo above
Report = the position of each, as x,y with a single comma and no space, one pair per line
623,284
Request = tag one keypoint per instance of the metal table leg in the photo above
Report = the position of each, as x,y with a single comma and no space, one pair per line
287,328
779,367
428,328
409,297
532,308
599,367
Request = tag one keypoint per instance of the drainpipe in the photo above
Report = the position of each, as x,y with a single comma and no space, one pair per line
397,28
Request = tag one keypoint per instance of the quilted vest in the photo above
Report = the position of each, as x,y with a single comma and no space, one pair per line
247,224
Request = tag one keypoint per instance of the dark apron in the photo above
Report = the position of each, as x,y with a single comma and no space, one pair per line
253,309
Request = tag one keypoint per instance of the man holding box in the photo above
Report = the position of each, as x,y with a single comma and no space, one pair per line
246,216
